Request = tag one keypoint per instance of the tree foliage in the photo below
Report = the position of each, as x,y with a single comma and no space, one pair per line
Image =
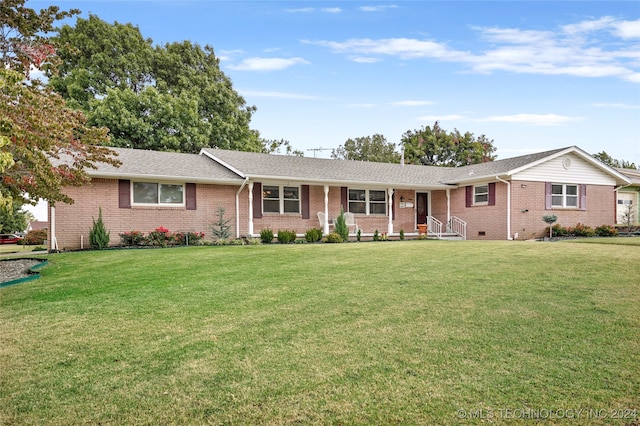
282,147
168,98
14,219
44,146
434,146
368,148
612,162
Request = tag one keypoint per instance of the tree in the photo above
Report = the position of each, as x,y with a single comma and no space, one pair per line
14,219
49,146
434,146
612,162
280,147
368,148
121,81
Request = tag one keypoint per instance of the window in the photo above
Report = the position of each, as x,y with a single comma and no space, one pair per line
280,199
564,195
481,194
158,193
367,201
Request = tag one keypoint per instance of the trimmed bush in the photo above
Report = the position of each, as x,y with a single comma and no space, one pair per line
35,237
266,236
286,237
341,226
581,230
333,237
606,231
313,235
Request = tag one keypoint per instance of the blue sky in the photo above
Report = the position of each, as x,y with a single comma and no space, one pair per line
530,75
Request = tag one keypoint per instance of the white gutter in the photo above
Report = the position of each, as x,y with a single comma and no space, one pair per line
508,207
52,225
246,179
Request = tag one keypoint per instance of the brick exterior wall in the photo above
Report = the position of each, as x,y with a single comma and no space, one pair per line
73,222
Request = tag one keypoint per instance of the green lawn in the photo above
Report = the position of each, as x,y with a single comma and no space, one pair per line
414,332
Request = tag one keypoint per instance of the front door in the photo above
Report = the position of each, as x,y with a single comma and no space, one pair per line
422,207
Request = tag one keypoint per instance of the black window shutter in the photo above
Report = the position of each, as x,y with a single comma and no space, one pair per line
469,196
190,189
124,194
304,194
344,198
492,194
257,200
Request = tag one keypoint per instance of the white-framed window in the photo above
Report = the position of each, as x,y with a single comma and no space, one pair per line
481,195
368,201
564,196
154,193
280,199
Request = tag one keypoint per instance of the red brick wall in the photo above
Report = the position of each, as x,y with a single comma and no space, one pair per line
531,196
483,222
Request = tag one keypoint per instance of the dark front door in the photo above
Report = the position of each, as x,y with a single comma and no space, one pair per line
422,207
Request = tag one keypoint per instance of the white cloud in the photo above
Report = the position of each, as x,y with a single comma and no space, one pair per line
267,64
579,49
365,59
300,10
411,103
533,119
378,8
331,10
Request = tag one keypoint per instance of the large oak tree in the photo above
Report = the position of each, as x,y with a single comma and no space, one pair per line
172,97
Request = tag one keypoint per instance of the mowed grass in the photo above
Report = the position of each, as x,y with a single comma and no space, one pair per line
414,332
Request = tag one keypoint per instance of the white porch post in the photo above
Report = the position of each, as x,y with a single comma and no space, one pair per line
326,210
251,208
390,227
448,205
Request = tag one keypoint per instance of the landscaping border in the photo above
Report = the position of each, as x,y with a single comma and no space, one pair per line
33,273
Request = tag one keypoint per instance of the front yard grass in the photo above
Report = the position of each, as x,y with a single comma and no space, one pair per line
414,332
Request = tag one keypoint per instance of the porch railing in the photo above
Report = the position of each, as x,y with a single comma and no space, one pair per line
458,226
434,226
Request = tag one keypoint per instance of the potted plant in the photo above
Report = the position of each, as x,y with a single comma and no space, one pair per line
422,228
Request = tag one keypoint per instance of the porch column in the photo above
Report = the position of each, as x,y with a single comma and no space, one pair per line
326,210
251,208
448,205
390,227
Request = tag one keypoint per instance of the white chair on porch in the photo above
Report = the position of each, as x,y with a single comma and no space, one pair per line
321,219
350,220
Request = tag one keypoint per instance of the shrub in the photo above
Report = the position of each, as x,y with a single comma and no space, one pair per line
313,235
286,237
581,230
606,231
359,234
376,235
35,237
341,226
159,237
334,237
132,238
559,231
221,229
266,235
401,234
99,236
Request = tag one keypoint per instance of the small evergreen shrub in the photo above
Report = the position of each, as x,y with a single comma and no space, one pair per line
606,231
401,234
359,234
99,236
221,229
266,236
333,237
341,227
286,237
376,235
313,235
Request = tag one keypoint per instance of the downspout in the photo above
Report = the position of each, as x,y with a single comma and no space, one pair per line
448,206
246,179
52,225
508,207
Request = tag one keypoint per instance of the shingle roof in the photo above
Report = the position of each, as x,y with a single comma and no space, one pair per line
155,164
261,166
632,174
